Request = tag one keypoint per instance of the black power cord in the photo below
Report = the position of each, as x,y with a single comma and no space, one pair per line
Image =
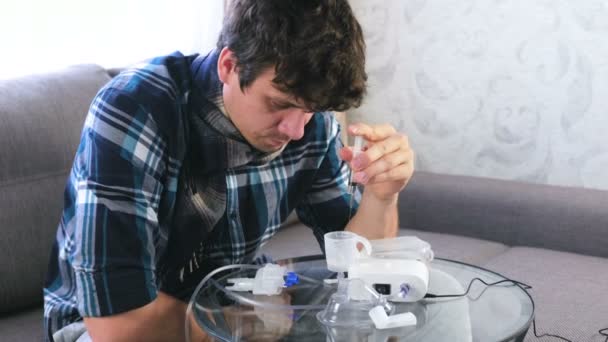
603,332
512,282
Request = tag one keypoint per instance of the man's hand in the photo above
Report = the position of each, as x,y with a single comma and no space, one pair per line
160,320
386,163
260,324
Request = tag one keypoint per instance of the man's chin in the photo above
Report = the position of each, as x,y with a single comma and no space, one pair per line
273,146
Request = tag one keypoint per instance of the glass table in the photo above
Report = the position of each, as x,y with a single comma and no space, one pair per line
499,313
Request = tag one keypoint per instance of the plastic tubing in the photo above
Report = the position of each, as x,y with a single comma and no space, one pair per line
242,299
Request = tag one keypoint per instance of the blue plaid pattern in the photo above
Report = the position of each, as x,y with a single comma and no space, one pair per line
119,201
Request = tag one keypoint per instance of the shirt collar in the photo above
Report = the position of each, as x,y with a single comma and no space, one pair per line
211,125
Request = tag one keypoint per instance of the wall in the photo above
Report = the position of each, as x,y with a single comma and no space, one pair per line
505,89
38,36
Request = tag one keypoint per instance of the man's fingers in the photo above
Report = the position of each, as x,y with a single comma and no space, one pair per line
346,153
379,150
372,133
400,172
382,165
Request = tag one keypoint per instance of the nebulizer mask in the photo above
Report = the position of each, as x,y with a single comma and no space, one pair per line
381,272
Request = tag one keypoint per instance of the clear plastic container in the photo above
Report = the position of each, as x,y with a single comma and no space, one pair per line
402,247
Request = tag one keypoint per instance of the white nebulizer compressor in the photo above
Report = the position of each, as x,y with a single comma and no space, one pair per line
382,271
397,268
400,280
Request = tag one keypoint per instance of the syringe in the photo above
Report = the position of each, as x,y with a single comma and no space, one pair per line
351,183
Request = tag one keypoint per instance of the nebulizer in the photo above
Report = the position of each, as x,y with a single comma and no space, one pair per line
380,273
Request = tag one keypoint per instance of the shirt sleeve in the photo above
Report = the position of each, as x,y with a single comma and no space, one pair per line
116,182
326,205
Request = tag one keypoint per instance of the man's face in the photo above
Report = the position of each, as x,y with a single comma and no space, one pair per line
265,116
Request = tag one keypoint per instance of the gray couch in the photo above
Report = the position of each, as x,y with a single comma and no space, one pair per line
41,118
552,238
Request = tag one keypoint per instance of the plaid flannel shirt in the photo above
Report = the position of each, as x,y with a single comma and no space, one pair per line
120,198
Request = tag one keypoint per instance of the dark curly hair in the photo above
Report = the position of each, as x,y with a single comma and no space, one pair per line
315,46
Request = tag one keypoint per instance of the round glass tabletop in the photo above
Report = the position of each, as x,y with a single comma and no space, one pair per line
502,312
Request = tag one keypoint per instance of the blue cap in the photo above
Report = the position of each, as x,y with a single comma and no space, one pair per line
291,279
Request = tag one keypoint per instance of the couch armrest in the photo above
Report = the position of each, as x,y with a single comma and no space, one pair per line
515,213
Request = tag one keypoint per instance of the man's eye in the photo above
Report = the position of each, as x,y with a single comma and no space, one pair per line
279,106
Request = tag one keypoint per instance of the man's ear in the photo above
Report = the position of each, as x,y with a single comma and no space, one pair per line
226,66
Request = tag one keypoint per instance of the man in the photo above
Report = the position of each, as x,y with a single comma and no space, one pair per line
188,163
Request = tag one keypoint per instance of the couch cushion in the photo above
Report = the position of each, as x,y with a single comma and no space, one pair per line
41,118
460,248
22,326
569,290
513,213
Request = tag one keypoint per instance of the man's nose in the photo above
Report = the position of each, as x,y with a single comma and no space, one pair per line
292,124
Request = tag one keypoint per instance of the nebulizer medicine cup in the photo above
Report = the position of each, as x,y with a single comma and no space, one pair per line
341,250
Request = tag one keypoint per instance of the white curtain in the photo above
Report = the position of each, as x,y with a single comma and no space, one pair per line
41,35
